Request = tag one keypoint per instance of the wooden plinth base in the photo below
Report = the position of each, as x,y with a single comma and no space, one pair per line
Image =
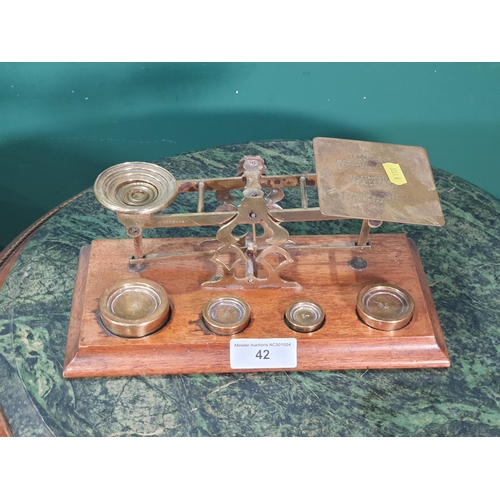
184,345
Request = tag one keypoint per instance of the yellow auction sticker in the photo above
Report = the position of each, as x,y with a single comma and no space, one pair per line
394,172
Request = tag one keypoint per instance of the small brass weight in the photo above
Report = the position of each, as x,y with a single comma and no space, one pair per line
330,292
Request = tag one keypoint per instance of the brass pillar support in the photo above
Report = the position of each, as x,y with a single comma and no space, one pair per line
365,231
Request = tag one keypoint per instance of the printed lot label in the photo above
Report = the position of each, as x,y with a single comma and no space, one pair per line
263,353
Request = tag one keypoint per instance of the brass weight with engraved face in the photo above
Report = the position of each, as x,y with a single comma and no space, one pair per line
385,307
304,316
226,315
134,308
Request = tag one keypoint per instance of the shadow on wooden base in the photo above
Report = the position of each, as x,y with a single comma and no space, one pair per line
184,345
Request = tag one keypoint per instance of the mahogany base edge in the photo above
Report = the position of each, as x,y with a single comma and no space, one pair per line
92,352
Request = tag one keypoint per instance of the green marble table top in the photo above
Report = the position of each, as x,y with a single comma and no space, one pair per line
462,264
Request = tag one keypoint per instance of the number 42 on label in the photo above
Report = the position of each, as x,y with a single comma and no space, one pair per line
263,353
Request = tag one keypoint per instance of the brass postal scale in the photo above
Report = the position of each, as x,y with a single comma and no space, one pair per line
261,299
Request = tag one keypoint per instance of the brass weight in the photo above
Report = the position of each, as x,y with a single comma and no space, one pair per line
385,307
134,308
226,315
304,316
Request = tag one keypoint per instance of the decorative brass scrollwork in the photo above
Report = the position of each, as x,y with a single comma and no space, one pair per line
256,253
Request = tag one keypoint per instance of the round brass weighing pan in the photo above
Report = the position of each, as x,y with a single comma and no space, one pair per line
135,188
226,315
385,307
304,316
134,308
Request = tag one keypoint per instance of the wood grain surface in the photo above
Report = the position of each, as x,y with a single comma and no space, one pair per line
184,345
5,430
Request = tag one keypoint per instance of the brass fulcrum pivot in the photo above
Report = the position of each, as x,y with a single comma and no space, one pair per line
260,258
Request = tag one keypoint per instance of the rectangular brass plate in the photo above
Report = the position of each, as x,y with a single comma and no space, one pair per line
184,345
352,182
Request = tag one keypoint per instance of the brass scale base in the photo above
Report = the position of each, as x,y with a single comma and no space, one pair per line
184,345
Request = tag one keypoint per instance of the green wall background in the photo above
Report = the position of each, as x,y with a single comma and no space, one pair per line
61,124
